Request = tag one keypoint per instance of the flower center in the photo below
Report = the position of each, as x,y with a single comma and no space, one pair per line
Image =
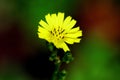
58,33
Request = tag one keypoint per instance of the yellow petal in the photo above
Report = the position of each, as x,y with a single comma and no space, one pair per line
74,35
61,44
48,19
72,40
66,22
60,18
74,30
70,25
54,19
41,29
44,24
40,35
55,42
65,47
46,37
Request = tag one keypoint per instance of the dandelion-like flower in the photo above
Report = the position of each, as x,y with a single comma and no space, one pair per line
59,31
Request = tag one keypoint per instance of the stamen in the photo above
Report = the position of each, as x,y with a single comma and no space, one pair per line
62,37
57,33
54,30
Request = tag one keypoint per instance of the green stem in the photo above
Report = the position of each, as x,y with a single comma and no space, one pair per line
57,75
56,71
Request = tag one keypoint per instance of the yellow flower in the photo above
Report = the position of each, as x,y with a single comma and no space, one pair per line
58,31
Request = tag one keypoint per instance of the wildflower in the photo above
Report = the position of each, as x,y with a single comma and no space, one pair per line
58,31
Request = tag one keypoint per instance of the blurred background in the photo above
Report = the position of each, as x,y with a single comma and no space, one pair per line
23,56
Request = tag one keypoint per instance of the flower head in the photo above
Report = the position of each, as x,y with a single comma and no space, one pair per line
58,31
